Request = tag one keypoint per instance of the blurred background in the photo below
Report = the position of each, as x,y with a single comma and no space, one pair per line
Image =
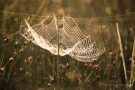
25,66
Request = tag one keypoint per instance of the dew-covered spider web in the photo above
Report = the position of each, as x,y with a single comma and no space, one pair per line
60,38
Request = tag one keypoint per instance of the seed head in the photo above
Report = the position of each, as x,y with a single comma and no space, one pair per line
11,59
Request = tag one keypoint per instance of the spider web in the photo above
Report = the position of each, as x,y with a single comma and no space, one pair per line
59,37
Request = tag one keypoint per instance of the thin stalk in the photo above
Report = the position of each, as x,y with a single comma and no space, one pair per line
58,63
56,23
123,59
37,79
2,55
10,70
90,75
132,63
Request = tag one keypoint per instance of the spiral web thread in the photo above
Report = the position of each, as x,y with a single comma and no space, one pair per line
71,40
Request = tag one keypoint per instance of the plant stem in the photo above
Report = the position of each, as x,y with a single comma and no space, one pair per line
132,63
56,23
90,75
121,49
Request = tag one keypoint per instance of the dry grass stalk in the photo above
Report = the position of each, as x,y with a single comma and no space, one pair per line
122,54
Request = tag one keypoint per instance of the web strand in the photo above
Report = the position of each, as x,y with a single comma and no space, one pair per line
71,40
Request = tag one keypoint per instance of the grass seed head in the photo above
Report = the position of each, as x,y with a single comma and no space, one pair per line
11,59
